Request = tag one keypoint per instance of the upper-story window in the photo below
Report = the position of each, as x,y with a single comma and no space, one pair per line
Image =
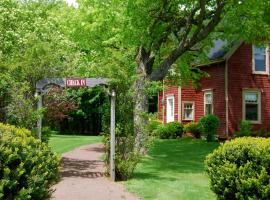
260,60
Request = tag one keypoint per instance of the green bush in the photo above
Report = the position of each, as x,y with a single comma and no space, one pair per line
126,158
27,166
152,126
239,169
170,130
46,134
244,129
193,127
209,125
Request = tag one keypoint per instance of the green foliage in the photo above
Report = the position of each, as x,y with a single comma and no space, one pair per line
170,130
152,126
46,134
194,128
239,169
21,110
209,125
28,168
126,158
245,129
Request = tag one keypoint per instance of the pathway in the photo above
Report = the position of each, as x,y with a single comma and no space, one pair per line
82,177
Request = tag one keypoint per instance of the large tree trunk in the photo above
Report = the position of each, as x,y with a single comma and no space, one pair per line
140,111
141,98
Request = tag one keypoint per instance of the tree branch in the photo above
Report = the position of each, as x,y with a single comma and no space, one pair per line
190,39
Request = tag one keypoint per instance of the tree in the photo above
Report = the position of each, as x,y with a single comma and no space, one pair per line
161,35
32,46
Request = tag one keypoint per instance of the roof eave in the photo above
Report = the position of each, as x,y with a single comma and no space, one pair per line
209,63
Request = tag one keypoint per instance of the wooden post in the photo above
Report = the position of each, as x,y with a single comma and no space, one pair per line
112,141
39,122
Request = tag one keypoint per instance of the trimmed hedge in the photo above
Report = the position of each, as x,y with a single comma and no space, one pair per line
209,125
240,169
27,166
170,130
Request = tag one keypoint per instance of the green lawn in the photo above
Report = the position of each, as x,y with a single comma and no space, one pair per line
65,143
173,170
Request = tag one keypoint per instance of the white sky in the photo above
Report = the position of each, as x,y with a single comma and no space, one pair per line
72,3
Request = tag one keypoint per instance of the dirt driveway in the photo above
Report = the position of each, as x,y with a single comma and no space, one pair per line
82,177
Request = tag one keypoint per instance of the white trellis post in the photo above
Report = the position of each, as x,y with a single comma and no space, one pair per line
39,122
112,141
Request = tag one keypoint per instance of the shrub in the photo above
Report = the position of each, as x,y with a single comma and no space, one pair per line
170,130
193,127
209,125
27,166
126,158
239,169
46,134
244,129
152,126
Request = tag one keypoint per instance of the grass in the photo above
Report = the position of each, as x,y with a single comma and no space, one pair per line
173,170
64,143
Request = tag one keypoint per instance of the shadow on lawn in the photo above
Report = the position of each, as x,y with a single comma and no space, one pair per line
177,156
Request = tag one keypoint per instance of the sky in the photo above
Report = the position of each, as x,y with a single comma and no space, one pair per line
72,3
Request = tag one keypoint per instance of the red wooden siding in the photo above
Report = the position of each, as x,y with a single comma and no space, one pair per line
240,76
215,82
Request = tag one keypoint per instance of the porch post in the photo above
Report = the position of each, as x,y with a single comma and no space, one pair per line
39,122
112,141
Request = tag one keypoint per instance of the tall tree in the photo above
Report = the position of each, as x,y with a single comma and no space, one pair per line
32,46
160,35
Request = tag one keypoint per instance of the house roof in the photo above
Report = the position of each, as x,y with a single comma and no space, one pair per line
222,50
219,50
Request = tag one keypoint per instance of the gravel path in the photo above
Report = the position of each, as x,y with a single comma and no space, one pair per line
82,177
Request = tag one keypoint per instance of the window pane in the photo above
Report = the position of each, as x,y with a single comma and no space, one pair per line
208,109
260,58
208,98
188,106
188,114
252,112
251,97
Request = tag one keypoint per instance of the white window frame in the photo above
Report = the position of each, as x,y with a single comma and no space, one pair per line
170,118
259,106
204,99
183,110
266,60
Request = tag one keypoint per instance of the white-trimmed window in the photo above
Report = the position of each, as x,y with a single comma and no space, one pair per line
260,60
170,109
252,106
208,102
188,110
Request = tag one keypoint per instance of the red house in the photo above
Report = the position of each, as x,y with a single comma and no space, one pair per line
237,88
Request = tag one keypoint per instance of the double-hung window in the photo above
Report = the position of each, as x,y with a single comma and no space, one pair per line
260,60
252,106
208,102
188,110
